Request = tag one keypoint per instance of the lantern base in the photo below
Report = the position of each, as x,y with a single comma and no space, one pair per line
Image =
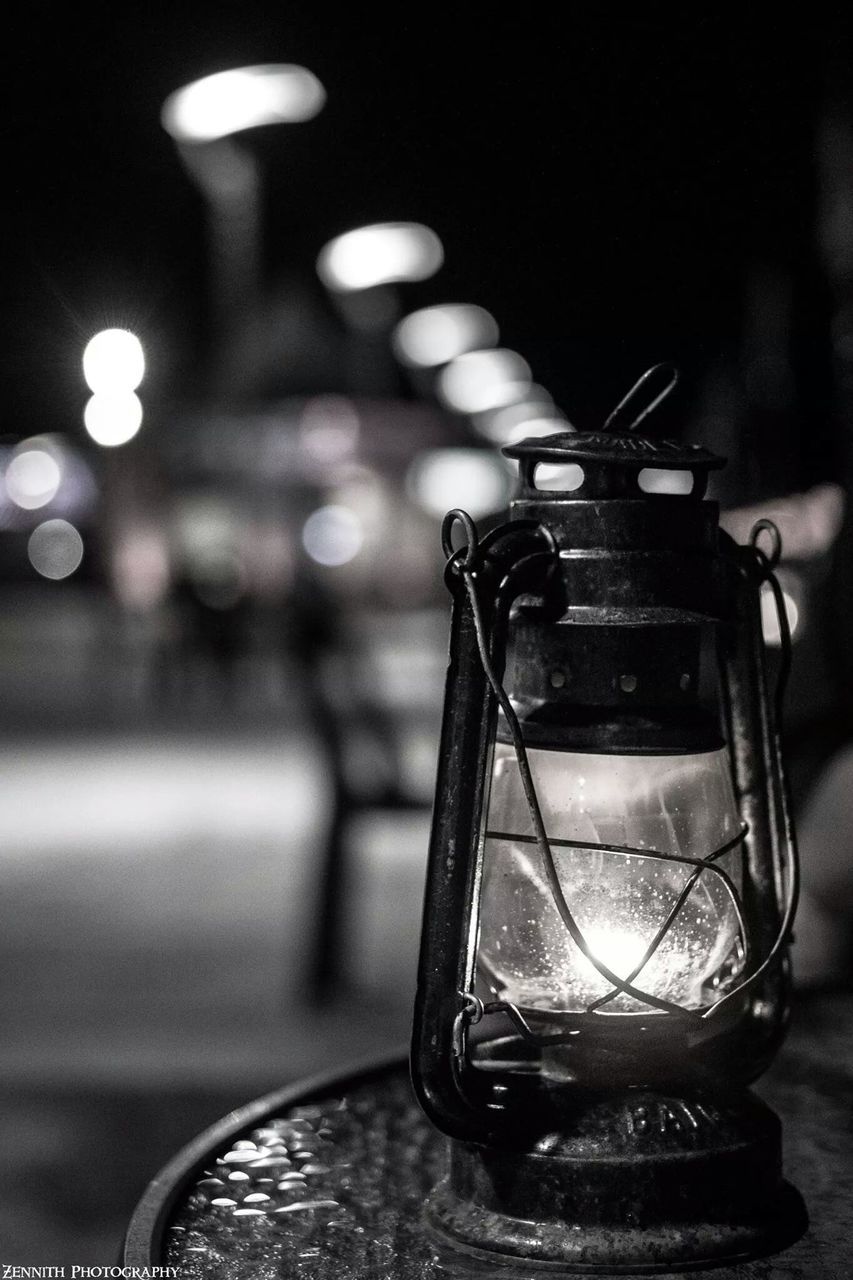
636,1181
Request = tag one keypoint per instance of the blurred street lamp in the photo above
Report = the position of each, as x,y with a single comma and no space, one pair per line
438,478
384,253
114,418
32,477
44,475
219,105
542,422
113,366
482,380
359,269
113,361
55,549
332,535
534,415
432,336
201,118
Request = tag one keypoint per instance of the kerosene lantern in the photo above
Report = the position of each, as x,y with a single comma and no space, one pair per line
612,876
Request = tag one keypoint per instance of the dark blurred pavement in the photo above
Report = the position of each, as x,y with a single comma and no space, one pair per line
159,873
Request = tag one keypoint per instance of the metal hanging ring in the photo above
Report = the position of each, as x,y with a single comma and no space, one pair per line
635,392
769,527
472,1007
470,554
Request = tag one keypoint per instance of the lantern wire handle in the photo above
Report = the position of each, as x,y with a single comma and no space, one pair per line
467,566
635,391
699,864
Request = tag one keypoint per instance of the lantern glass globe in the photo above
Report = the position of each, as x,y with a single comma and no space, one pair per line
671,804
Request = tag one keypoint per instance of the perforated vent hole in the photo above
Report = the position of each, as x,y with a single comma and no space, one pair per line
564,478
660,480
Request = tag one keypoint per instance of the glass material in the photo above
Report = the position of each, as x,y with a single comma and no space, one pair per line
677,804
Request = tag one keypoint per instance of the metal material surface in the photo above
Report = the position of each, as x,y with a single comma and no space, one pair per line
578,590
631,628
628,1178
374,1154
446,958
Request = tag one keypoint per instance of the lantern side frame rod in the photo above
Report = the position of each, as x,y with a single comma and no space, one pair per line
445,969
438,1038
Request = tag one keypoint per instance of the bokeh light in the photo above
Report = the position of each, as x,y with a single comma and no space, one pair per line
32,478
476,479
113,419
113,361
225,103
140,566
809,522
481,380
384,253
329,429
770,617
332,535
528,425
434,335
55,549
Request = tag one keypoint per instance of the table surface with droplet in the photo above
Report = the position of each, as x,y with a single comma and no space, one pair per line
335,1180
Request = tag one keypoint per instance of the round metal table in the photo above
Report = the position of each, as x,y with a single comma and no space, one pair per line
326,1180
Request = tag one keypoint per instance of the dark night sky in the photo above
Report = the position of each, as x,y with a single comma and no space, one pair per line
601,176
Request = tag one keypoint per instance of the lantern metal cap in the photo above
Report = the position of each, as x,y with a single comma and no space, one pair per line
616,450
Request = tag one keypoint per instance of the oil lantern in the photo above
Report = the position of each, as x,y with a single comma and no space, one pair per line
612,875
